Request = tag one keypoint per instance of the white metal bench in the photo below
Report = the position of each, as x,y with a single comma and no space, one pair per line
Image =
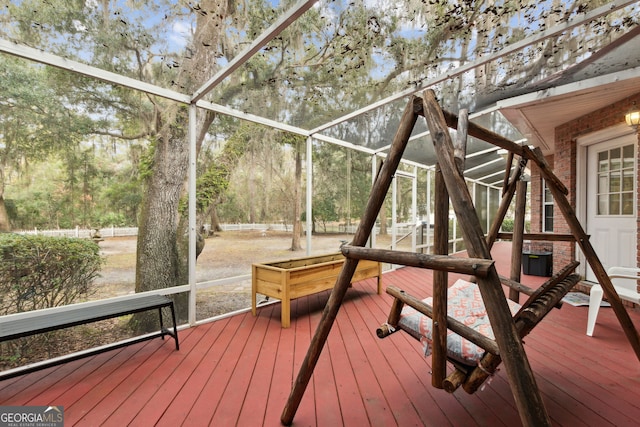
25,324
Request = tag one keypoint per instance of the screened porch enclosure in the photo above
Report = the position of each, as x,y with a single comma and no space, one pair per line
293,103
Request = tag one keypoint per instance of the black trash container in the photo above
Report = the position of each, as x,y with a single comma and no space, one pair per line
537,263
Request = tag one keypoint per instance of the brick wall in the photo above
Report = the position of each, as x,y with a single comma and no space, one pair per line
536,194
564,166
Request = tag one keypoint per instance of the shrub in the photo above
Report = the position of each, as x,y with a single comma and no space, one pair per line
507,225
39,272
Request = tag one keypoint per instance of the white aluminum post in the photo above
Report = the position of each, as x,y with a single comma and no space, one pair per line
309,162
374,172
428,209
347,224
192,214
414,206
488,218
394,214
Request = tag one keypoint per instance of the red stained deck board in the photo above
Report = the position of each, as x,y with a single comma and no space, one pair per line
66,380
255,404
370,391
129,393
397,404
408,364
20,386
590,373
233,398
169,376
588,393
589,354
303,333
327,405
90,388
83,399
564,406
239,371
37,387
179,390
281,377
217,369
349,396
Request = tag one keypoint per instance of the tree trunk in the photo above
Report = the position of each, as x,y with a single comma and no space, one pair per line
162,249
383,221
215,221
297,203
5,225
157,256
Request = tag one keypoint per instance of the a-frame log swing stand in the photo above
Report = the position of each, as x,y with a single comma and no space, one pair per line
508,330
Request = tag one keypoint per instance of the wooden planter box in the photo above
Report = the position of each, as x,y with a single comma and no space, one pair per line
294,278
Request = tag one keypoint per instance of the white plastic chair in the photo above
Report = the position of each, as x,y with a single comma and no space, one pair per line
625,281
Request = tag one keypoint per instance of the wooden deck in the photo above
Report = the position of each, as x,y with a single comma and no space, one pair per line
239,370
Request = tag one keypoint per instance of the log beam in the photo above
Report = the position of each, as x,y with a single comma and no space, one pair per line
549,284
543,237
517,286
440,279
518,234
507,171
484,134
474,266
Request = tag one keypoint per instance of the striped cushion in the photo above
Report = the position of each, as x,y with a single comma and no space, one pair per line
465,305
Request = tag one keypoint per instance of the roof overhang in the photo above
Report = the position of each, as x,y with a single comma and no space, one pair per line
537,114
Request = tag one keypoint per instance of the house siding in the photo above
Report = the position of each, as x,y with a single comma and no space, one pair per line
565,167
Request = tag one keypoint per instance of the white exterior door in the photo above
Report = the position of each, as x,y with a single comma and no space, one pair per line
610,201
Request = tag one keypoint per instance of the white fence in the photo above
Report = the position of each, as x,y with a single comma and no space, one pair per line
84,232
133,231
254,226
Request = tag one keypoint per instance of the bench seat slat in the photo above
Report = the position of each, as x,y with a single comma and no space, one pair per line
15,328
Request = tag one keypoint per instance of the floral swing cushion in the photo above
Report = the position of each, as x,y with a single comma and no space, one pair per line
465,305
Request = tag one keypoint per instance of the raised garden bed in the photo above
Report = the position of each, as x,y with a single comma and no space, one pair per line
298,277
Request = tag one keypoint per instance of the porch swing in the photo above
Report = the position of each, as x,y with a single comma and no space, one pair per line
467,340
470,342
501,322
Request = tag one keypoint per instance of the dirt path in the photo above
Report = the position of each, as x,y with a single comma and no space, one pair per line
227,254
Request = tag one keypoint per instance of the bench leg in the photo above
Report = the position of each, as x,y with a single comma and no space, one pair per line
175,326
164,331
